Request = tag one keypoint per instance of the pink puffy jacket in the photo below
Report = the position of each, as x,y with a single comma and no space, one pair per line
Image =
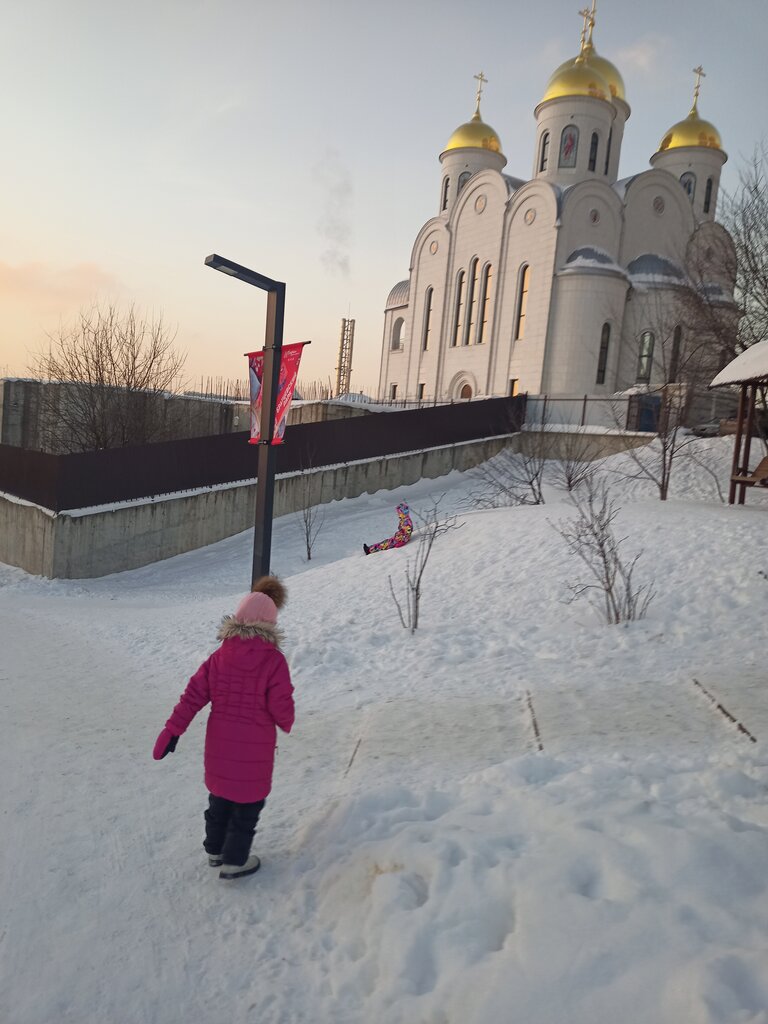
249,687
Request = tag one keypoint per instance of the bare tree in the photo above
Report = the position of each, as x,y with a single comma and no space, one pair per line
673,357
591,537
311,513
431,527
108,376
745,215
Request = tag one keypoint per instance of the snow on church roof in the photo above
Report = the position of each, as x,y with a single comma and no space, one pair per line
399,295
590,258
751,365
652,268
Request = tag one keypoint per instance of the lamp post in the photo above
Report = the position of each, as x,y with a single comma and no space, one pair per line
273,343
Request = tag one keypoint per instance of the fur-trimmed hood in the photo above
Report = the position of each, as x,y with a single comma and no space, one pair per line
247,631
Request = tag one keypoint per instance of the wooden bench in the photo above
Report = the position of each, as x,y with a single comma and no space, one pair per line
758,477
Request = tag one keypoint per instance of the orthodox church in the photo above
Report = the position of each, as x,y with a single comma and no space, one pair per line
561,284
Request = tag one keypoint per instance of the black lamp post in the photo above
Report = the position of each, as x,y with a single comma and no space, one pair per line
273,343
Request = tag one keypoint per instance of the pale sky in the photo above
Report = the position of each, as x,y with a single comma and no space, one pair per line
300,139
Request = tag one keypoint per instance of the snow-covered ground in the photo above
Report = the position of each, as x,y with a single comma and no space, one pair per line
428,856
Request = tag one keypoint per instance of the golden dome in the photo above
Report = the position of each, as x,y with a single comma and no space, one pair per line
693,131
578,77
474,134
608,70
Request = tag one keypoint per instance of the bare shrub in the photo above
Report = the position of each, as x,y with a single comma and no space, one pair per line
591,537
573,465
431,527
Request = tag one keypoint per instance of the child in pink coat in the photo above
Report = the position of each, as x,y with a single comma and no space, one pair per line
248,685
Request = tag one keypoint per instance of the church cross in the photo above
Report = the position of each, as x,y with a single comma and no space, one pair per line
585,13
481,81
699,72
592,14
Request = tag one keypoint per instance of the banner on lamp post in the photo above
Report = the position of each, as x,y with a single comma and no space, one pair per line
290,357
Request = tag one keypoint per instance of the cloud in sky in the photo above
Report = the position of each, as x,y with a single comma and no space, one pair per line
645,54
45,289
335,223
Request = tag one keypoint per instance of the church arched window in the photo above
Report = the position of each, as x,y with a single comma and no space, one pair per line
458,311
397,334
463,179
688,181
466,393
569,146
608,151
523,282
427,319
708,195
485,303
444,200
645,357
602,359
674,362
473,280
594,142
544,154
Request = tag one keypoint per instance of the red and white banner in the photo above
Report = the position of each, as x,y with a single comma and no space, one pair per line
289,371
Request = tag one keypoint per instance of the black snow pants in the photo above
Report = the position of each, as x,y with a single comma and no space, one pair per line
230,827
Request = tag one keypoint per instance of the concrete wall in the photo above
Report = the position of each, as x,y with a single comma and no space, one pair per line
98,541
28,409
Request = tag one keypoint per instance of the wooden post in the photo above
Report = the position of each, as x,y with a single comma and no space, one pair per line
736,464
748,439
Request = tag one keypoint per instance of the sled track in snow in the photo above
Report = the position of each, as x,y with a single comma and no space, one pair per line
724,711
534,720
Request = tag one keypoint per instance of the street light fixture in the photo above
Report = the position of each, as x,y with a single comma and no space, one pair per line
273,343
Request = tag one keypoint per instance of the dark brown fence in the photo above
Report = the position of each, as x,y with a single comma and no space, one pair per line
97,478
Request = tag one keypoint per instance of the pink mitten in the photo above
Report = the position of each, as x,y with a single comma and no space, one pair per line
165,744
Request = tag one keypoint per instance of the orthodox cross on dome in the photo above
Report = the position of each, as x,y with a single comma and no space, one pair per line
481,81
591,28
699,72
588,14
584,13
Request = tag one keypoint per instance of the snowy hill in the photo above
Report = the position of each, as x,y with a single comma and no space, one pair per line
429,857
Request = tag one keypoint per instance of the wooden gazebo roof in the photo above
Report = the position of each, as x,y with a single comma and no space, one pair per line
748,370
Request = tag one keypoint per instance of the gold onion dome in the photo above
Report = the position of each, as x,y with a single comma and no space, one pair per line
474,134
693,130
609,72
577,78
588,74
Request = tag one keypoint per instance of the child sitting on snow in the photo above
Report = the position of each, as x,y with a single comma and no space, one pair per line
401,537
249,688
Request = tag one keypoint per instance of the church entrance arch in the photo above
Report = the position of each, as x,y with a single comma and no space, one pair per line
462,388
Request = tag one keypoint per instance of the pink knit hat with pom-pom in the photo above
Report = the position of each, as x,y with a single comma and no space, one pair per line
256,608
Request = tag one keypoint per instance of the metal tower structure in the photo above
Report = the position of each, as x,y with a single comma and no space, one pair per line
344,369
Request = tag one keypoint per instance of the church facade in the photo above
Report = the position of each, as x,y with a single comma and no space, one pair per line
574,281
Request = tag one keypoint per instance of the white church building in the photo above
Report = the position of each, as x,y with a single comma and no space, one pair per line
543,285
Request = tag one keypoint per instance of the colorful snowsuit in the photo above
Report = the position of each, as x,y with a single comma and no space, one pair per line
401,537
